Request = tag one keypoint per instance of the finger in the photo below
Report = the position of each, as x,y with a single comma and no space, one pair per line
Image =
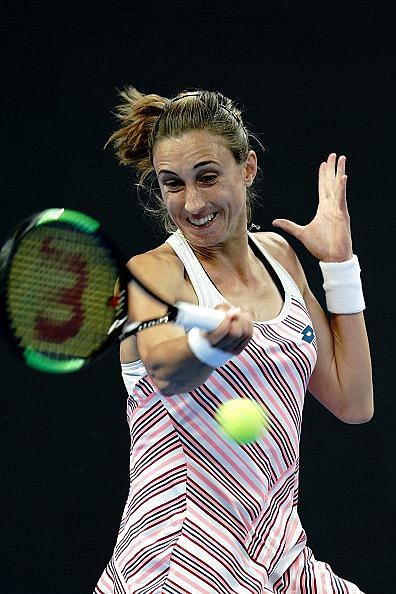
340,173
322,182
234,330
226,307
330,174
242,325
341,166
239,346
289,227
241,322
239,335
228,326
342,200
234,348
222,330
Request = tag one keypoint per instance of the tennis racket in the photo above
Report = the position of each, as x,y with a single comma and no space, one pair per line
64,297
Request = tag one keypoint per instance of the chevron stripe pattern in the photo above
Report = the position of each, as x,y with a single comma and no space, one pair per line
205,515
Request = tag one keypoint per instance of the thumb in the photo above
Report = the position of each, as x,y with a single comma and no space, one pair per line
288,226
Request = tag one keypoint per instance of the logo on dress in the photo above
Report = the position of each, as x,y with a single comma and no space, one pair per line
308,334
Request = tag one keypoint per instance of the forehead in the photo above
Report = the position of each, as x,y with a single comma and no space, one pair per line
190,148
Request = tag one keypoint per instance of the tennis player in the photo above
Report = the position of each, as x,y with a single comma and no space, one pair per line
204,514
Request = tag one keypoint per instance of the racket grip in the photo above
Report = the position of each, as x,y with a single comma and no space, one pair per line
194,316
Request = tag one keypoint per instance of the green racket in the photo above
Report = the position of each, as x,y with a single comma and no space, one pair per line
63,293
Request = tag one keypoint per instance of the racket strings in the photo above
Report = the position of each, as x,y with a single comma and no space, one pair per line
61,299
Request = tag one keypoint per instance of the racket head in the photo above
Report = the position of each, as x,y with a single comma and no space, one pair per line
63,290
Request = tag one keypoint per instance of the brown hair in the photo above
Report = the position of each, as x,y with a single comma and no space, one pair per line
147,119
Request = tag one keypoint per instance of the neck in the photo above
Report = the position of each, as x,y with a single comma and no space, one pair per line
231,255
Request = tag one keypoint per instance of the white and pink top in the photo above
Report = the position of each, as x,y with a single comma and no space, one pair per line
205,515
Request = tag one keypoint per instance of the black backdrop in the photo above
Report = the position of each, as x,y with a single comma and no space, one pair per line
312,79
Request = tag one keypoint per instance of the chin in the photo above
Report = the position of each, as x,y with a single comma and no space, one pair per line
201,237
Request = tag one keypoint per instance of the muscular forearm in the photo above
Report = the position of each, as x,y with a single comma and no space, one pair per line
181,363
353,367
341,380
174,368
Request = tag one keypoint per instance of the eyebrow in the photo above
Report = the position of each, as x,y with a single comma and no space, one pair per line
200,164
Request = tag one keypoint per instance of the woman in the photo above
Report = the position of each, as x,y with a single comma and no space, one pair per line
204,514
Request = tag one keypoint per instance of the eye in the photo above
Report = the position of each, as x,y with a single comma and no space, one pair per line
209,178
172,184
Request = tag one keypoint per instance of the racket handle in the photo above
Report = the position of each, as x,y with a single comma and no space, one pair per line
204,318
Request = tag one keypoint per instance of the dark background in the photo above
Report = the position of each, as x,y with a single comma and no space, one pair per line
311,79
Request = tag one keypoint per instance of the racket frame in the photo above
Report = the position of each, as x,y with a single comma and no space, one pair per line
38,360
183,314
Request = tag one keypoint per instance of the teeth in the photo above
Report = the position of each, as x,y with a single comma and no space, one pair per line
203,221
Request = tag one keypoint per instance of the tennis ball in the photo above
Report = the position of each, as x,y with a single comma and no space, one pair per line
243,420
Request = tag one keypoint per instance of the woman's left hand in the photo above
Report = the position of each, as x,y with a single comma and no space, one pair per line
328,236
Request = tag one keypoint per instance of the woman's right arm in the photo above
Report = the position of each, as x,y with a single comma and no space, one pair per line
164,349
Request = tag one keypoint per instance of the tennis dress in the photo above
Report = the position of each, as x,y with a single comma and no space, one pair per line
205,515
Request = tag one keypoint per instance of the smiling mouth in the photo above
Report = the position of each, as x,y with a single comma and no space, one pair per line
204,221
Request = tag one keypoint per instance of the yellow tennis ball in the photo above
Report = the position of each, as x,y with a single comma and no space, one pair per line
243,420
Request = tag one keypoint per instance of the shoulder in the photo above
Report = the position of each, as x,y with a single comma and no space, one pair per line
159,267
158,258
280,249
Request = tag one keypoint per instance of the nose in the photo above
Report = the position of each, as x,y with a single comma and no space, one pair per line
194,201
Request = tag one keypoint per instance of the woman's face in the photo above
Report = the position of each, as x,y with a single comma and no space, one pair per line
203,187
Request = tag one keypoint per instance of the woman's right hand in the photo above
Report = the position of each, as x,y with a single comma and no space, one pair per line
164,349
234,332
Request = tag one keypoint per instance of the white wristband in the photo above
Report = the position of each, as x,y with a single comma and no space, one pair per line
204,351
343,287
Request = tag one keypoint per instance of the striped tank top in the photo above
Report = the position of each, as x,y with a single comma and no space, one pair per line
205,515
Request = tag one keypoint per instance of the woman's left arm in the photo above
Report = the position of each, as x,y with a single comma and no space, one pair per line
342,378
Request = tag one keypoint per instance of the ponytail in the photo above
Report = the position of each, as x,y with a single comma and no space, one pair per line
147,119
138,115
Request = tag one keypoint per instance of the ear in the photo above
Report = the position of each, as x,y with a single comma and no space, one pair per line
250,168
